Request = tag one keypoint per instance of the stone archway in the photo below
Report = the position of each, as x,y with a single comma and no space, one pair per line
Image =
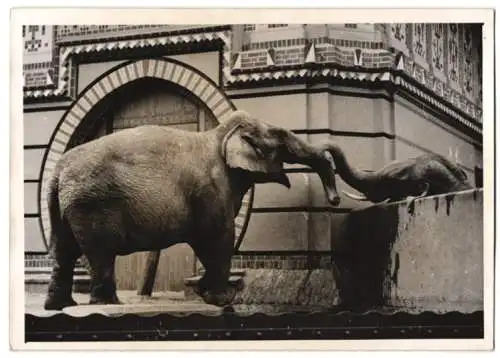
175,72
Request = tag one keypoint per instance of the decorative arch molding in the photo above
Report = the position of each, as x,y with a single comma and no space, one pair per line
166,69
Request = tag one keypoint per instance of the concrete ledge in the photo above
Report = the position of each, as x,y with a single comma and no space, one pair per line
315,288
311,288
427,256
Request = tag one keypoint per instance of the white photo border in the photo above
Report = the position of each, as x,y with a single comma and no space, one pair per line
108,16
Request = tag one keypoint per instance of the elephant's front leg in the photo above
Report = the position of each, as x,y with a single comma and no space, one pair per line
215,255
103,284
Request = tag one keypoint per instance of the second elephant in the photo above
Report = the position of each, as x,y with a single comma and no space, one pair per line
425,175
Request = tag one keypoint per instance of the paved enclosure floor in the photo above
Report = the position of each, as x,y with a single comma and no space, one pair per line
160,302
132,303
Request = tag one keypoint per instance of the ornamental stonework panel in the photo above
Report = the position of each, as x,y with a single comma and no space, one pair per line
437,54
398,31
478,71
38,55
78,32
480,79
419,40
453,53
468,76
397,36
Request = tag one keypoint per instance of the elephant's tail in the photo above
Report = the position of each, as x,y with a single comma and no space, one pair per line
60,229
54,211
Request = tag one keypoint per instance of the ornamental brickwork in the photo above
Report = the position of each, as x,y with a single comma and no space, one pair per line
443,61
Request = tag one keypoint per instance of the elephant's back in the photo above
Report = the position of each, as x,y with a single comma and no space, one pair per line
140,137
137,145
150,164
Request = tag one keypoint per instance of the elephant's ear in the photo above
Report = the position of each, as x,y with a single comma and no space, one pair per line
242,151
400,172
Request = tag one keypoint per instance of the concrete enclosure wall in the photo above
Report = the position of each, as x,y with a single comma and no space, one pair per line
410,122
426,256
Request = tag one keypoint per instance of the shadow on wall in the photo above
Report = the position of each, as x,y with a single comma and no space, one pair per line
362,255
478,177
427,257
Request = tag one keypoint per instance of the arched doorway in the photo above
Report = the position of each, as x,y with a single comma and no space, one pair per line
161,91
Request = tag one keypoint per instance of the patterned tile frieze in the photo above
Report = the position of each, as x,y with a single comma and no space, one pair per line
419,40
318,40
449,61
437,48
79,32
66,72
251,66
38,56
453,59
468,73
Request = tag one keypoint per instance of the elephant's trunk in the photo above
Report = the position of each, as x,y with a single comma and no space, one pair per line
298,151
359,180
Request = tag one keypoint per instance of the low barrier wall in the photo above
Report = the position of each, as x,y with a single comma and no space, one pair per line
422,257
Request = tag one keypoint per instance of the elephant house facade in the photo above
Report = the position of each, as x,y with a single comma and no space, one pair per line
384,92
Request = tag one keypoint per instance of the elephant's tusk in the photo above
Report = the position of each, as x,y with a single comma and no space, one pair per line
423,194
355,197
426,190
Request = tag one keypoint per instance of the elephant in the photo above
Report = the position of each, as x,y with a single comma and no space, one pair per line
149,187
413,178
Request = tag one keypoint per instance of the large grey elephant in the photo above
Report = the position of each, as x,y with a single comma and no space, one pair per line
150,187
424,175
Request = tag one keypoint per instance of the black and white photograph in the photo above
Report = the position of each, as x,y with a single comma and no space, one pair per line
190,180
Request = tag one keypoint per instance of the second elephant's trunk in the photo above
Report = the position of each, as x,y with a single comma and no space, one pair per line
359,180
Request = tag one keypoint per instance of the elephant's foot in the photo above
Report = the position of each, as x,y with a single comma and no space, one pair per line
60,285
219,299
104,301
54,303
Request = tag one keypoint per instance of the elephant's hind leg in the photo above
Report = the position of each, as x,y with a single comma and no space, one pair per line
65,251
103,284
99,233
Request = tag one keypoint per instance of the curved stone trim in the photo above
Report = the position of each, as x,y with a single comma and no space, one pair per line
173,71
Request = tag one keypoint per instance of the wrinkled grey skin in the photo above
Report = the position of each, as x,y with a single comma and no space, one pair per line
150,187
425,175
